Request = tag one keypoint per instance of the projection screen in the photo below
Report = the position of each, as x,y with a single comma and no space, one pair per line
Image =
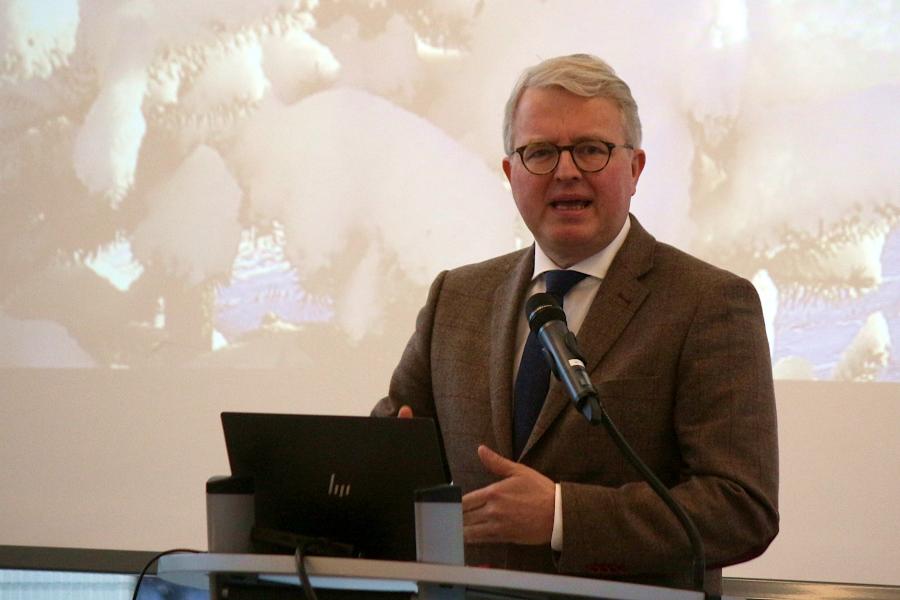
222,205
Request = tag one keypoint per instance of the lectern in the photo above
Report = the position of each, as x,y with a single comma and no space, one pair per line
281,454
405,579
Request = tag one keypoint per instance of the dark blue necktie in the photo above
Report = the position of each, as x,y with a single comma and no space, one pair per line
533,379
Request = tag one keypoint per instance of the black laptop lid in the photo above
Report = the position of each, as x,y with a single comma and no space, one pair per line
349,479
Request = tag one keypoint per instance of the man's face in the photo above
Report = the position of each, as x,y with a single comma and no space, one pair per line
571,214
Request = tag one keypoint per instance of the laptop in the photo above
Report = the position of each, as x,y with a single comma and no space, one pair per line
350,480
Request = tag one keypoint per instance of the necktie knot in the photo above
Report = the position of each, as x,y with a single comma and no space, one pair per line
560,281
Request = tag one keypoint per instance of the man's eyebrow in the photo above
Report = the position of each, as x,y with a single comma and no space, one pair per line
576,140
590,138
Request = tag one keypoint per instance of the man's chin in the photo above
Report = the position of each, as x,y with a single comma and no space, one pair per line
568,251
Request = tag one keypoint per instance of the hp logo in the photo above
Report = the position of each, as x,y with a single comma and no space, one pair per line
338,489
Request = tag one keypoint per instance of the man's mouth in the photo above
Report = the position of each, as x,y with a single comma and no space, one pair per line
570,204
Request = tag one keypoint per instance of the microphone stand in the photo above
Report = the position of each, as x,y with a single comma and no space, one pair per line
542,309
589,405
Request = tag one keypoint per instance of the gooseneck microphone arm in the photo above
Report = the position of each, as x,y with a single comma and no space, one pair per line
547,321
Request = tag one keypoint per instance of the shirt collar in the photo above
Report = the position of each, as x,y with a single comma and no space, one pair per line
596,265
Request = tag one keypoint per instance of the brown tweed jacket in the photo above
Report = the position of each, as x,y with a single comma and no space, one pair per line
677,349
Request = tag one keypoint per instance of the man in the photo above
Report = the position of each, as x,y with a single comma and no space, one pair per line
676,348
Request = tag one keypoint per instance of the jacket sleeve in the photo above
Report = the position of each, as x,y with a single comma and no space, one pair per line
411,381
725,425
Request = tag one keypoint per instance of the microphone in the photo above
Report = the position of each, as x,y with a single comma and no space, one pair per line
548,322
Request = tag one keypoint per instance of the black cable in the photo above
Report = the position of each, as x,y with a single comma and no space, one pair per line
595,413
699,558
300,562
137,584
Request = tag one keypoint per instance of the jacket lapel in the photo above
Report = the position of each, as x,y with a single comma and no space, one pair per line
618,299
509,298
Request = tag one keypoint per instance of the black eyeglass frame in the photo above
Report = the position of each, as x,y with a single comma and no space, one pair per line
571,148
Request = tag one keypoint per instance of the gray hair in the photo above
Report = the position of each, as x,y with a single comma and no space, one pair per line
583,75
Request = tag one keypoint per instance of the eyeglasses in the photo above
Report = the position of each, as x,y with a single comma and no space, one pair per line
541,158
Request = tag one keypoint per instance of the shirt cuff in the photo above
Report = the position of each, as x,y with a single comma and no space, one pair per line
556,538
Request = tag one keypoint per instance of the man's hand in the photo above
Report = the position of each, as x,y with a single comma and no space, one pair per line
517,509
405,412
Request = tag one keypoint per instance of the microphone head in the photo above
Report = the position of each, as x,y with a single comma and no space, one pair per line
542,308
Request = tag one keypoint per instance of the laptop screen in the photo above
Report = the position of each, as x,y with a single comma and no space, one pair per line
350,480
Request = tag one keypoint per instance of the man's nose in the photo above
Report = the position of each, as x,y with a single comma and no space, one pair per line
566,167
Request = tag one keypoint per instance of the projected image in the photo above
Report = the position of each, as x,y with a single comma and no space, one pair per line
275,184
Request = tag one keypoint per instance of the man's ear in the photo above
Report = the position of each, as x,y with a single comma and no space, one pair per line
507,167
638,160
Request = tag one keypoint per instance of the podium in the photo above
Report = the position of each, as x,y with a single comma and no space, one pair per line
425,580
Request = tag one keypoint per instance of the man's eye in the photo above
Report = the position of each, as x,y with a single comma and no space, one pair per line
539,153
592,150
